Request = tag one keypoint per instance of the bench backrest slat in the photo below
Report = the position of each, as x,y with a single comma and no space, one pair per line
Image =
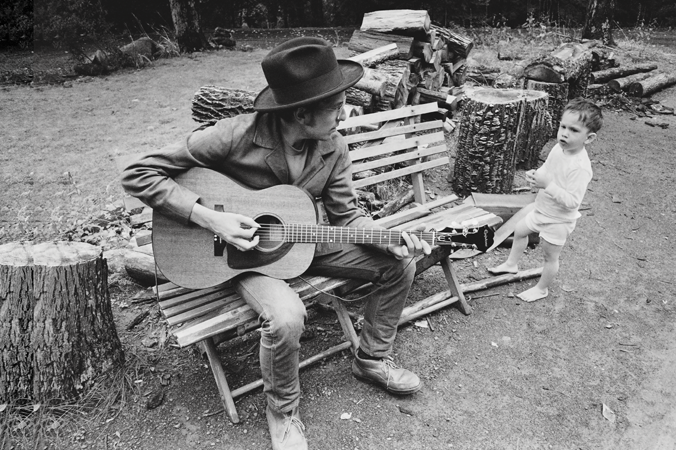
391,160
396,145
385,116
393,131
400,172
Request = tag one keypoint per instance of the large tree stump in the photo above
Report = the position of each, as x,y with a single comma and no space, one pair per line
558,97
57,333
492,124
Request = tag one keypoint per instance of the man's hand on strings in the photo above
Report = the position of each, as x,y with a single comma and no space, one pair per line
235,229
413,246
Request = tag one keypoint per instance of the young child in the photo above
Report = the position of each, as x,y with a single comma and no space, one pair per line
562,182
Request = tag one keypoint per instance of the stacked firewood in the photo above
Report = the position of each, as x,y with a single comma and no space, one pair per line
406,60
419,62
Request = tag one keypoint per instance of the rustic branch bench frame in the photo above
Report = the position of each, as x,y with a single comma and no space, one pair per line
395,142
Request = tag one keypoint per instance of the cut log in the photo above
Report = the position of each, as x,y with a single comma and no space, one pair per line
458,43
558,97
395,205
622,84
603,76
432,79
141,267
405,22
397,90
650,85
492,123
570,63
377,55
422,50
359,98
374,82
444,100
364,41
212,103
57,333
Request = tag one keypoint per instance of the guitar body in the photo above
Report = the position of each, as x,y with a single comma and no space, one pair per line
190,256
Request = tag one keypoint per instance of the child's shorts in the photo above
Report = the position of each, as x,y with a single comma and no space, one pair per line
551,230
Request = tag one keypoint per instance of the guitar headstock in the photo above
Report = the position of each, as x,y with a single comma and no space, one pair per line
480,238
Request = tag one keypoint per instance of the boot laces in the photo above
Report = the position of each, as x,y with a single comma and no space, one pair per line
294,421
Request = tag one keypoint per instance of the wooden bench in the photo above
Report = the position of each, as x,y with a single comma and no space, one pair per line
396,145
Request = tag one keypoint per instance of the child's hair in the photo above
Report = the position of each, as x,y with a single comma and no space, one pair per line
590,114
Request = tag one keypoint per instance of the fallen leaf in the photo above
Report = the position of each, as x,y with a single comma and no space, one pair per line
608,414
494,344
405,410
346,416
3,407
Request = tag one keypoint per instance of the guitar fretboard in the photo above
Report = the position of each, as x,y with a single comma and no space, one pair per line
315,234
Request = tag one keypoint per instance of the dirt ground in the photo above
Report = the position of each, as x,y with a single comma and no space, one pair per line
591,367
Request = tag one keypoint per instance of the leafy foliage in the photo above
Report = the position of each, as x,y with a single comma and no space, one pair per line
16,23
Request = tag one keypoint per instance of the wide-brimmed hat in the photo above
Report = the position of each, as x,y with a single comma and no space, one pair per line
301,71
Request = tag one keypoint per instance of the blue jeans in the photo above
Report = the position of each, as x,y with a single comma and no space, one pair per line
282,313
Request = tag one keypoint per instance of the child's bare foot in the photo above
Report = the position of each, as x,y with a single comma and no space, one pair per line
503,268
533,294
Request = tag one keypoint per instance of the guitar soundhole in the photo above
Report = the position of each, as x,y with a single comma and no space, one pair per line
271,232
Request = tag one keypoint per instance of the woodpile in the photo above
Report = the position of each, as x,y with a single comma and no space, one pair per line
429,60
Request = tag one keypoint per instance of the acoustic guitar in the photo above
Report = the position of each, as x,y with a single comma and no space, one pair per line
193,257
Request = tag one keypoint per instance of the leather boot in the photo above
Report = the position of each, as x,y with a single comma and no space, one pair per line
385,373
286,430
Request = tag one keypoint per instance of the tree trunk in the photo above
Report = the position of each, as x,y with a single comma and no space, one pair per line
603,76
57,333
655,83
404,22
212,103
558,97
491,126
599,21
187,25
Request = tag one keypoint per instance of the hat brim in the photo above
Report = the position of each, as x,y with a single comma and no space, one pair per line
352,72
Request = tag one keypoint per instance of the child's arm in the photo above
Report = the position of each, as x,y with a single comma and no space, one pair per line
569,196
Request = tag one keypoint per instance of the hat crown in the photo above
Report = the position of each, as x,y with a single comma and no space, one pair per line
297,61
301,71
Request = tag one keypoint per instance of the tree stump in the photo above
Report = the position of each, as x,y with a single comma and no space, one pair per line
57,333
492,123
558,97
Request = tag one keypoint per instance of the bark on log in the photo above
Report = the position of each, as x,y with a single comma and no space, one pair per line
359,98
395,205
491,125
57,333
364,41
570,63
653,84
141,267
457,43
397,90
604,76
558,97
212,103
622,84
405,22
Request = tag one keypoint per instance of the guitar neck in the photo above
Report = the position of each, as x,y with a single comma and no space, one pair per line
315,234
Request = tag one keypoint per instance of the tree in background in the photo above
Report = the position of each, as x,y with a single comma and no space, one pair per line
187,25
599,21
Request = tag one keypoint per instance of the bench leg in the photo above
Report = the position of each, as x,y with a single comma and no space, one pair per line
221,382
454,287
346,323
